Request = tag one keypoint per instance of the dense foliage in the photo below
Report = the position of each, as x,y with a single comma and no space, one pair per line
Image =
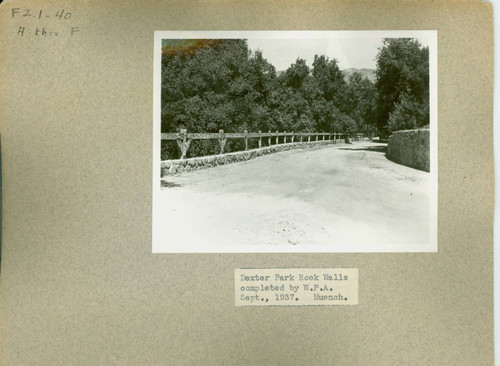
402,85
208,85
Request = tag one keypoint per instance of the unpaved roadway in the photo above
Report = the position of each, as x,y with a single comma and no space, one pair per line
341,197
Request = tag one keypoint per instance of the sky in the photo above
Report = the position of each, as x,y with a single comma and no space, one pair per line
356,53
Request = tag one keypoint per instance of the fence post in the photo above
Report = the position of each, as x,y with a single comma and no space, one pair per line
183,143
246,139
269,138
260,139
293,137
317,136
308,138
284,141
222,141
300,136
277,137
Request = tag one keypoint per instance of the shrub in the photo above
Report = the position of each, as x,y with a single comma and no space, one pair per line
408,114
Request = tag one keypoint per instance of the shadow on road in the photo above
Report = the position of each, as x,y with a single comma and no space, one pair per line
380,149
165,184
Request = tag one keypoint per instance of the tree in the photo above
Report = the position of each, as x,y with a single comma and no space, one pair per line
296,74
330,80
402,67
408,114
196,77
361,101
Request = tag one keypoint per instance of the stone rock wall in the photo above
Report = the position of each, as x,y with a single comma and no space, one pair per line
410,148
169,167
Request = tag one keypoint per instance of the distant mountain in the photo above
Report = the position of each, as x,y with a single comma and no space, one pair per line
367,73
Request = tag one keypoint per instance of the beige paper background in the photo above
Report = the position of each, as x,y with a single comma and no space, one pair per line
79,284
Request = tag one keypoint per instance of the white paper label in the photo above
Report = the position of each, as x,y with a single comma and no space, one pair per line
296,286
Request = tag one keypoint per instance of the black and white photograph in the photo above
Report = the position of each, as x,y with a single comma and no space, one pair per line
295,141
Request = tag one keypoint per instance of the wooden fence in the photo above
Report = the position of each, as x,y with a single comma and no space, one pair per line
183,138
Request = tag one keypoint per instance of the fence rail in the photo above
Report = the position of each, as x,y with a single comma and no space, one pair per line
183,138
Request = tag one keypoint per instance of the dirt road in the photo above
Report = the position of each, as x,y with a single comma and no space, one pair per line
333,198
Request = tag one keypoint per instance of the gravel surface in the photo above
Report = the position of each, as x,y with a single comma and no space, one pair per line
345,197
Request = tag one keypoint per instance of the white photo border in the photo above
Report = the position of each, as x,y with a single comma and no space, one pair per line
158,245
